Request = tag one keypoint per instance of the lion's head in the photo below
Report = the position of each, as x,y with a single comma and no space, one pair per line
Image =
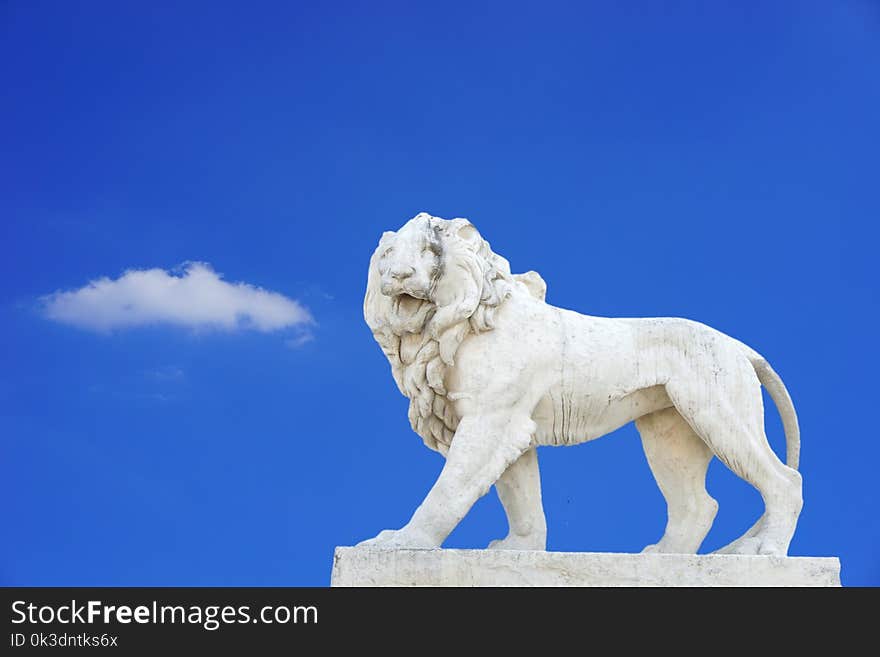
430,284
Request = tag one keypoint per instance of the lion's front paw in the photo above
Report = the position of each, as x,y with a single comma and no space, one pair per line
660,548
514,542
400,539
378,540
667,547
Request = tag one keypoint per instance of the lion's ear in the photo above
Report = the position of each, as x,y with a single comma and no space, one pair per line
465,230
534,283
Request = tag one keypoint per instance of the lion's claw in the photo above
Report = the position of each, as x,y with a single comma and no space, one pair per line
399,539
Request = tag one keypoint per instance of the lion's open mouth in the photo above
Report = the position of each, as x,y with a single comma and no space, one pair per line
406,304
409,313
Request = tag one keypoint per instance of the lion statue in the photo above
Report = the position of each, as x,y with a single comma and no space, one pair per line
492,372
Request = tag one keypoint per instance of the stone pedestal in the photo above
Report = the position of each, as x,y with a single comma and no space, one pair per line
369,566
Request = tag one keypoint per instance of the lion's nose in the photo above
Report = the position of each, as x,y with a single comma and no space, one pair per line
400,273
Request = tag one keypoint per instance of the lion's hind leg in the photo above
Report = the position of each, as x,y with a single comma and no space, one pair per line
727,413
679,459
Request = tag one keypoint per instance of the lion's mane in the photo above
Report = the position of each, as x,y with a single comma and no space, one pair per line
468,287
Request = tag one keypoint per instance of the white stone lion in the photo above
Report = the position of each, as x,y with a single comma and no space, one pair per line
492,372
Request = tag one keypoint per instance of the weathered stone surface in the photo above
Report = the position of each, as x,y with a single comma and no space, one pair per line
371,566
493,372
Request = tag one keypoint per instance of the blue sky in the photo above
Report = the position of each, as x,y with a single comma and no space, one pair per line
716,161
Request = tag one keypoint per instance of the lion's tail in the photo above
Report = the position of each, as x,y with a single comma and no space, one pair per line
778,393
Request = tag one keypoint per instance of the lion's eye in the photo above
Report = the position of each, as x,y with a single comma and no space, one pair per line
387,252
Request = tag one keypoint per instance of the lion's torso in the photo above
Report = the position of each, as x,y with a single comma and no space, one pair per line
580,377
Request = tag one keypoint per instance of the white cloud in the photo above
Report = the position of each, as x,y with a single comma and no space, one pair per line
197,298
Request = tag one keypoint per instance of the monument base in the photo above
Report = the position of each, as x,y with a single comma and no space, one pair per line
370,566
